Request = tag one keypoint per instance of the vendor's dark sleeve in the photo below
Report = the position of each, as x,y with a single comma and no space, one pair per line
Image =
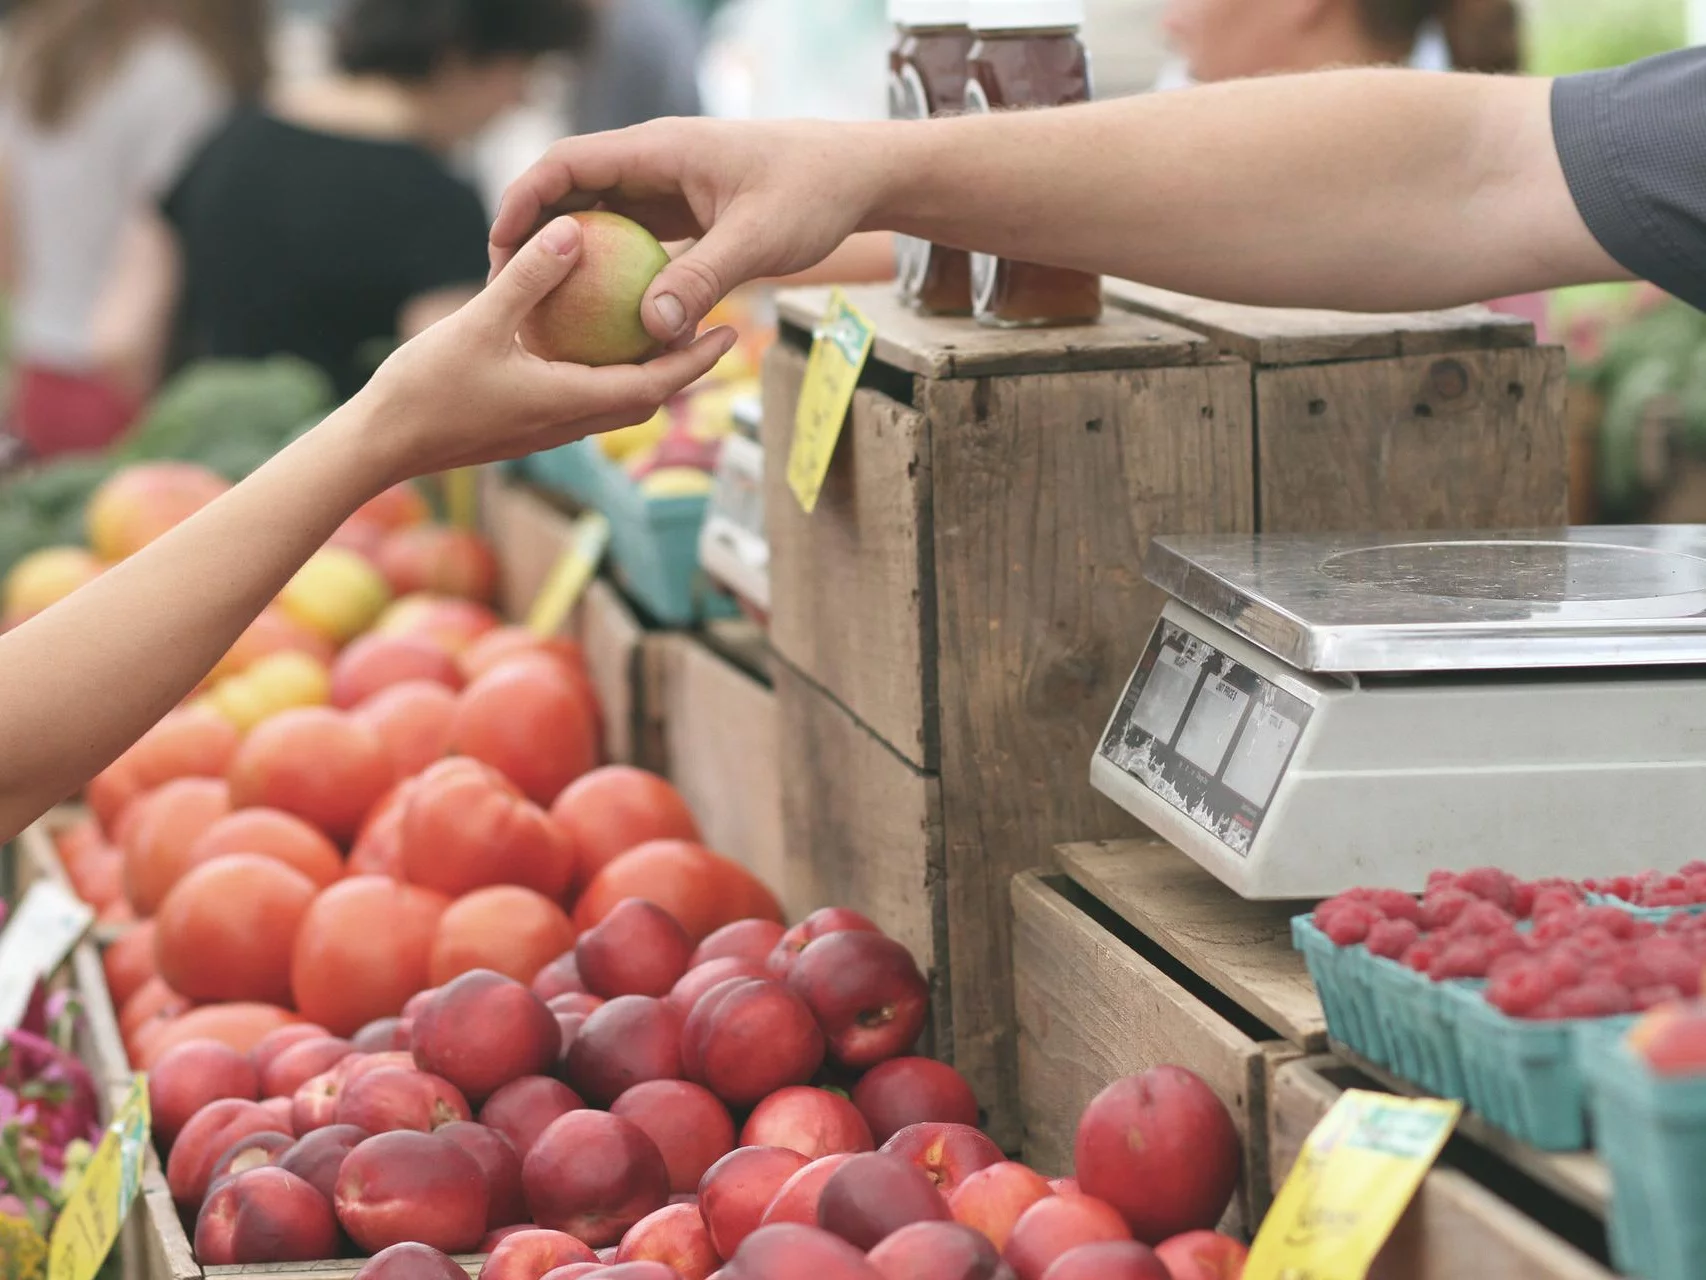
1633,144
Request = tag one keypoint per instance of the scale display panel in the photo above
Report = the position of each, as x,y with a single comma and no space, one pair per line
1206,734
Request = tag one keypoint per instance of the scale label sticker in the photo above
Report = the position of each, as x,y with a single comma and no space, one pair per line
1206,734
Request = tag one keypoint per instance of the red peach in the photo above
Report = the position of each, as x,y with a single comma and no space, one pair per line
315,1104
948,1153
1202,1255
495,1238
690,1126
577,1271
365,1064
645,1270
701,978
210,1133
628,1041
189,1076
938,1251
388,1100
866,993
276,1042
747,1038
814,1122
994,1198
798,1198
872,1196
560,977
411,1262
1109,1260
253,1152
317,1157
483,1030
382,1035
417,1003
1162,1149
569,1029
529,1254
1672,1038
789,1251
523,1109
743,940
496,1156
907,1091
296,1065
283,1113
594,1175
820,923
1052,1226
676,1236
638,949
736,1191
412,1186
265,1215
582,1002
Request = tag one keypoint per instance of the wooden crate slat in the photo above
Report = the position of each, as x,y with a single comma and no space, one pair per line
1091,1010
1474,440
1286,336
1242,948
935,347
1455,1227
856,572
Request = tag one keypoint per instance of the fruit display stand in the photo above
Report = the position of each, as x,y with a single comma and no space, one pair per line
1127,954
957,616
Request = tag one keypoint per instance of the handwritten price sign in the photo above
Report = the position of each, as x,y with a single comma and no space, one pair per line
89,1226
841,345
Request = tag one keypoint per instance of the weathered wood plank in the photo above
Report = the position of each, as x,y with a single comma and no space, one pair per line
1047,491
1474,440
1242,948
851,604
1270,336
935,347
722,751
863,829
615,644
1091,1010
1454,1228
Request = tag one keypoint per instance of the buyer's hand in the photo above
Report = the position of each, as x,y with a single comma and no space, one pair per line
760,200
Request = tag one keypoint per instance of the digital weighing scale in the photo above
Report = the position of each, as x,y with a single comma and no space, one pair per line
1318,712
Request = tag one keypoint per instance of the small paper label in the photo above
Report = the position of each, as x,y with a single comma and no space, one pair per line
49,922
732,545
1352,1182
101,1200
572,575
841,345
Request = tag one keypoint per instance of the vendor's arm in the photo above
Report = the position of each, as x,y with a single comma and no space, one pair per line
1364,190
82,681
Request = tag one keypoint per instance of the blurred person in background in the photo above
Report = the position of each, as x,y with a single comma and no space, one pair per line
641,63
102,103
329,224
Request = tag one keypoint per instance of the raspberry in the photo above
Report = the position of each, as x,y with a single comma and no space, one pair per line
1507,961
1594,1000
1483,919
1464,958
1440,909
1564,968
1556,926
1652,997
1489,883
1392,938
1421,956
1550,902
1522,900
1594,945
1397,905
1438,880
1348,925
1668,960
1521,989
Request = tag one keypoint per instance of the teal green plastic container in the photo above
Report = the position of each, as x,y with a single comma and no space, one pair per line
1344,979
1419,1024
1527,1077
654,542
1652,1136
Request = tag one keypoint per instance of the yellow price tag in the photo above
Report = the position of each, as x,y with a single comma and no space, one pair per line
89,1226
841,345
571,576
462,497
1355,1177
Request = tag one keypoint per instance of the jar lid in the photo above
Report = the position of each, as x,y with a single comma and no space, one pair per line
930,13
1020,15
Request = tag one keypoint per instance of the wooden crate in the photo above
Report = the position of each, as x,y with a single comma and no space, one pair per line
716,718
1095,1003
1436,420
1457,1226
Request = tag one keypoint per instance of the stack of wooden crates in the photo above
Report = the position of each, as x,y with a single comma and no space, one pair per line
955,621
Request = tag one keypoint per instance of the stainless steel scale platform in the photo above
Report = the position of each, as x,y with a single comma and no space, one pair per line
1318,712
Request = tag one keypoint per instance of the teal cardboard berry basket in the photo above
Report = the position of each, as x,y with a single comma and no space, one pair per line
1344,980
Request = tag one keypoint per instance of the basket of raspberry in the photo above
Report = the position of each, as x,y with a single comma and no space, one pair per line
1647,1089
1657,895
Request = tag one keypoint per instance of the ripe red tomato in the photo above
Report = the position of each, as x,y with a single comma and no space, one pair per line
465,826
532,720
617,808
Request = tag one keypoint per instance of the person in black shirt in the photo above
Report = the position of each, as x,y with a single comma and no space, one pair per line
328,225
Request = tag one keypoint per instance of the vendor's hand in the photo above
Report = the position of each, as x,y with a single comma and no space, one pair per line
761,200
466,391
